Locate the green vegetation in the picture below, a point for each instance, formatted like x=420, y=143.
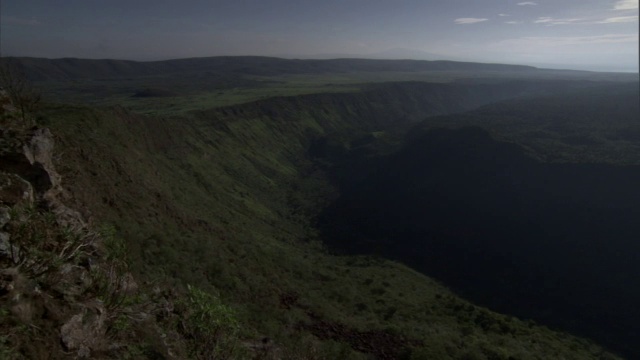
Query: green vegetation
x=213, y=205
x=42, y=273
x=594, y=124
x=225, y=207
x=16, y=91
x=176, y=87
x=187, y=98
x=554, y=220
x=211, y=325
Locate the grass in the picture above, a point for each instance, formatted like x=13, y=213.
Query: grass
x=552, y=134
x=196, y=91
x=181, y=104
x=217, y=190
x=190, y=97
x=221, y=199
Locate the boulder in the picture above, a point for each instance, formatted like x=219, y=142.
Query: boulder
x=85, y=331
x=6, y=250
x=39, y=152
x=5, y=216
x=15, y=190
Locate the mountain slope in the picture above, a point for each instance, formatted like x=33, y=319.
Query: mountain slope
x=39, y=69
x=487, y=216
x=223, y=200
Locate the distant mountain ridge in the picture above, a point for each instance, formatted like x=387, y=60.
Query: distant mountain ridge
x=397, y=53
x=41, y=69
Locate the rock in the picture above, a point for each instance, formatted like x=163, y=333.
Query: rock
x=31, y=158
x=17, y=158
x=5, y=238
x=15, y=190
x=30, y=155
x=39, y=151
x=6, y=250
x=84, y=352
x=65, y=216
x=18, y=287
x=24, y=311
x=85, y=331
x=6, y=279
x=5, y=216
x=74, y=281
x=129, y=285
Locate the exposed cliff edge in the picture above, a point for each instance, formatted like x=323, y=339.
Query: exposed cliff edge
x=228, y=197
x=556, y=241
x=65, y=288
x=51, y=260
x=535, y=199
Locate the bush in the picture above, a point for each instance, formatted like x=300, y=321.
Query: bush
x=211, y=326
x=39, y=246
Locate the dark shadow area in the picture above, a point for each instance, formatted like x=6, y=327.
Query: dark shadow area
x=557, y=243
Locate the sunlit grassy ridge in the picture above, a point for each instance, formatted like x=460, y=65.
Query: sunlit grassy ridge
x=222, y=199
x=180, y=86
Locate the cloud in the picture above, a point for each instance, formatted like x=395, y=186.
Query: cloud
x=562, y=21
x=504, y=15
x=619, y=19
x=527, y=3
x=560, y=41
x=513, y=22
x=626, y=5
x=12, y=20
x=550, y=21
x=465, y=21
x=544, y=19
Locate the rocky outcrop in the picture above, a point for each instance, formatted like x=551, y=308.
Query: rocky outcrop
x=27, y=161
x=47, y=251
x=15, y=190
x=86, y=330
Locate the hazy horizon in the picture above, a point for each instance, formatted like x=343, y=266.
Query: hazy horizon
x=593, y=35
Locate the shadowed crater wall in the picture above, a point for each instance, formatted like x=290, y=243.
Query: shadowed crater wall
x=557, y=243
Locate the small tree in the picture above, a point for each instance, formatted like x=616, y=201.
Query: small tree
x=20, y=91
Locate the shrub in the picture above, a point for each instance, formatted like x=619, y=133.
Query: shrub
x=39, y=246
x=211, y=326
x=19, y=90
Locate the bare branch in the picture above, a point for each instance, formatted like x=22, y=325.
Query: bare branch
x=20, y=91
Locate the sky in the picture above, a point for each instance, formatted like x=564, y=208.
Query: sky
x=600, y=35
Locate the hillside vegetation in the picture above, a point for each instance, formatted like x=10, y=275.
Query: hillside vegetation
x=65, y=69
x=216, y=209
x=176, y=87
x=556, y=238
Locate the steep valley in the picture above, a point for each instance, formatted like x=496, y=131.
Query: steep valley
x=259, y=202
x=555, y=242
